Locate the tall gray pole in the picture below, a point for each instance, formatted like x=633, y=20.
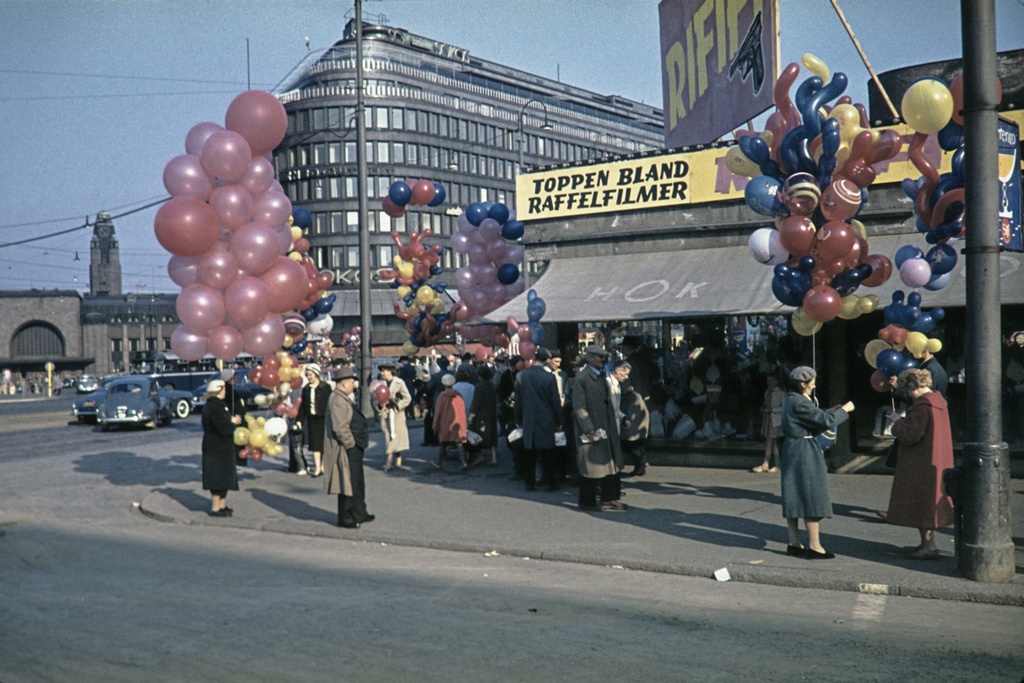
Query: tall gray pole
x=984, y=546
x=522, y=143
x=365, y=311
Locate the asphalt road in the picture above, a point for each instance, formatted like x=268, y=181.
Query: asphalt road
x=93, y=590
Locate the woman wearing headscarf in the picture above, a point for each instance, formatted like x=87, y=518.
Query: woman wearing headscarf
x=925, y=451
x=392, y=416
x=805, y=492
x=313, y=411
x=220, y=473
x=450, y=423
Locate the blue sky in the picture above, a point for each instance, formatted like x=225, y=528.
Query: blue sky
x=97, y=95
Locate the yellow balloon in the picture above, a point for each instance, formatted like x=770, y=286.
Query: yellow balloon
x=413, y=310
x=849, y=310
x=927, y=106
x=425, y=295
x=273, y=449
x=258, y=438
x=934, y=346
x=250, y=420
x=437, y=306
x=815, y=66
x=397, y=261
x=287, y=341
x=858, y=228
x=241, y=436
x=295, y=256
x=916, y=343
x=260, y=421
x=867, y=303
x=296, y=234
x=403, y=291
x=803, y=325
x=768, y=137
x=410, y=349
x=871, y=351
x=406, y=270
x=737, y=162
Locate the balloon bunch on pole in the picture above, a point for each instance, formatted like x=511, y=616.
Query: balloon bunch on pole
x=809, y=170
x=531, y=335
x=227, y=227
x=260, y=436
x=352, y=341
x=411, y=192
x=281, y=373
x=492, y=276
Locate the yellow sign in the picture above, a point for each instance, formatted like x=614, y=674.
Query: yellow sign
x=672, y=179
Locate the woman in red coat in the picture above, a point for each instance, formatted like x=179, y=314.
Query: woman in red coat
x=925, y=451
x=450, y=422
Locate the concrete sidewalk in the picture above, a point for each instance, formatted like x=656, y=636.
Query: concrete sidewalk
x=681, y=520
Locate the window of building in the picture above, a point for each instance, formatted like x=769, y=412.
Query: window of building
x=319, y=188
x=334, y=118
x=399, y=224
x=474, y=164
x=371, y=187
x=336, y=224
x=413, y=157
x=116, y=345
x=334, y=152
x=303, y=187
x=443, y=126
x=383, y=222
x=410, y=120
x=463, y=130
x=397, y=118
x=337, y=257
x=320, y=223
x=399, y=153
x=304, y=155
x=350, y=153
x=472, y=131
x=383, y=183
x=412, y=221
x=351, y=187
x=385, y=256
x=368, y=117
x=352, y=257
x=371, y=218
x=369, y=151
x=352, y=222
x=383, y=153
x=319, y=119
x=382, y=118
x=134, y=344
x=434, y=123
x=334, y=188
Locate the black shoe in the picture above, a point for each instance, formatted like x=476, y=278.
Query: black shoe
x=640, y=471
x=369, y=518
x=627, y=475
x=815, y=555
x=348, y=526
x=224, y=512
x=796, y=551
x=588, y=508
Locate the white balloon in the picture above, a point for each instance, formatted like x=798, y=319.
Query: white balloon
x=321, y=326
x=276, y=427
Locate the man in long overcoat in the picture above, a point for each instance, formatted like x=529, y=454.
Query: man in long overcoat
x=392, y=416
x=539, y=415
x=345, y=439
x=598, y=453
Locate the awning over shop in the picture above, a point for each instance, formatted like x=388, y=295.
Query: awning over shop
x=709, y=282
x=677, y=284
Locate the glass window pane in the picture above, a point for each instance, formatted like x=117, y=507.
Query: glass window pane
x=411, y=120
x=319, y=119
x=397, y=118
x=352, y=257
x=382, y=117
x=336, y=226
x=334, y=117
x=320, y=223
x=350, y=153
x=413, y=157
x=399, y=153
x=352, y=222
x=383, y=222
x=383, y=153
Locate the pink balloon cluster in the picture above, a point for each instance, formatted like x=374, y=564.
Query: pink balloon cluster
x=492, y=276
x=227, y=228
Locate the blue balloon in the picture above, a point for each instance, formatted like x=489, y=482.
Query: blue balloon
x=889, y=362
x=536, y=333
x=400, y=193
x=323, y=306
x=301, y=217
x=309, y=314
x=440, y=194
x=786, y=295
x=508, y=273
x=905, y=253
x=299, y=346
x=830, y=142
x=498, y=212
x=795, y=152
x=756, y=149
x=513, y=230
x=535, y=310
x=763, y=196
x=910, y=187
x=476, y=213
x=942, y=258
x=952, y=136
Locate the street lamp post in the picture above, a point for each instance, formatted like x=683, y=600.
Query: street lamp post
x=522, y=143
x=365, y=310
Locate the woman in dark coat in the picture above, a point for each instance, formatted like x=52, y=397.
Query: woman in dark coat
x=313, y=412
x=804, y=474
x=483, y=415
x=925, y=451
x=220, y=474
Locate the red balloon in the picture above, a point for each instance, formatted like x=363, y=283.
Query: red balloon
x=286, y=285
x=258, y=176
x=392, y=209
x=382, y=394
x=260, y=118
x=272, y=361
x=881, y=270
x=835, y=240
x=270, y=378
x=324, y=279
x=233, y=204
x=217, y=267
x=264, y=337
x=224, y=342
x=186, y=226
x=797, y=234
x=302, y=245
x=822, y=303
x=880, y=382
x=422, y=192
x=272, y=208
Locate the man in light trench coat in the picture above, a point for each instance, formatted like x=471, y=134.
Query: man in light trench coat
x=598, y=451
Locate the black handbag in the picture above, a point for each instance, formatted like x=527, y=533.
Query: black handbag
x=890, y=458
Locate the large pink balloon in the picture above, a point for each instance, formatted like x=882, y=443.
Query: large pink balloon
x=516, y=288
x=226, y=155
x=497, y=251
x=224, y=342
x=460, y=242
x=284, y=239
x=186, y=226
x=490, y=229
x=260, y=118
x=287, y=284
x=915, y=272
x=183, y=270
x=464, y=279
x=233, y=204
x=187, y=344
x=198, y=135
x=184, y=175
x=265, y=337
x=255, y=247
x=258, y=176
x=247, y=300
x=217, y=267
x=272, y=208
x=200, y=308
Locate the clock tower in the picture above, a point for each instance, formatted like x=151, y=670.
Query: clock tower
x=104, y=258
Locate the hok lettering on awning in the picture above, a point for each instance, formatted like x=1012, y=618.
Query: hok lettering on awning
x=648, y=291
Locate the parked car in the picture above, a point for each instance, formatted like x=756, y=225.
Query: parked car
x=84, y=408
x=181, y=402
x=86, y=384
x=247, y=390
x=134, y=400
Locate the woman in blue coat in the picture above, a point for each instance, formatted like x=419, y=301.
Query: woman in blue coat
x=804, y=474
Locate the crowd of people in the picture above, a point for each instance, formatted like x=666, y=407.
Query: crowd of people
x=587, y=427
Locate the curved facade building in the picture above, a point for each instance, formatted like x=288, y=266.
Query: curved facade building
x=431, y=111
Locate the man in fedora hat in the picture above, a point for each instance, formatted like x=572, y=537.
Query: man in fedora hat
x=346, y=440
x=598, y=450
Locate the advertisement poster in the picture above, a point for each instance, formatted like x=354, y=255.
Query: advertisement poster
x=1009, y=187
